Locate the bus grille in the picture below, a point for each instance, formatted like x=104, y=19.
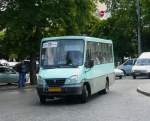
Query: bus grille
x=55, y=82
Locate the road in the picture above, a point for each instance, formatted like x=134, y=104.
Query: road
x=123, y=103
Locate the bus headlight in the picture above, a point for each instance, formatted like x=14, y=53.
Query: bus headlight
x=72, y=80
x=40, y=81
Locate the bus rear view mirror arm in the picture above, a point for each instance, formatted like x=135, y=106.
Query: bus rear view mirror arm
x=89, y=64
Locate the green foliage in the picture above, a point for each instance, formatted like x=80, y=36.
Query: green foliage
x=145, y=10
x=2, y=34
x=120, y=27
x=26, y=22
x=123, y=24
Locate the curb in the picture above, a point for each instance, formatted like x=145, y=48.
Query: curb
x=143, y=92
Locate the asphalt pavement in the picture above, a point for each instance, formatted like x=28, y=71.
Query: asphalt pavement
x=144, y=89
x=13, y=86
x=122, y=103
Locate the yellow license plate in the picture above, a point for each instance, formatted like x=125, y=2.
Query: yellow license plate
x=54, y=89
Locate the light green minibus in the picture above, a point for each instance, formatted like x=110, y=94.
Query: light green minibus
x=75, y=66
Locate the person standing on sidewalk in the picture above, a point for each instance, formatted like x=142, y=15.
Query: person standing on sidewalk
x=22, y=74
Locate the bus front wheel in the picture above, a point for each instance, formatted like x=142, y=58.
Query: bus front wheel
x=106, y=90
x=42, y=99
x=134, y=77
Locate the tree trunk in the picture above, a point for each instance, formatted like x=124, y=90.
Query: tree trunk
x=33, y=78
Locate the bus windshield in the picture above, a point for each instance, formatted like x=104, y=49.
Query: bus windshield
x=62, y=53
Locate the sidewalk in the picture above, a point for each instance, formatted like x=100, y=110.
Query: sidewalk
x=5, y=87
x=144, y=89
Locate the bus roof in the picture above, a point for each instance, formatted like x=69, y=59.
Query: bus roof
x=78, y=37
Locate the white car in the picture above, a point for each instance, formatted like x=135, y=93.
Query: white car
x=118, y=73
x=12, y=64
x=142, y=66
x=3, y=62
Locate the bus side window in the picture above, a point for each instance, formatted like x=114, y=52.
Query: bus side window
x=96, y=58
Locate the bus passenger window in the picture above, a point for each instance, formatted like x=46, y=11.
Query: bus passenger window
x=96, y=58
x=101, y=58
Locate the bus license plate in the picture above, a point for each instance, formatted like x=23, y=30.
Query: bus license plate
x=54, y=89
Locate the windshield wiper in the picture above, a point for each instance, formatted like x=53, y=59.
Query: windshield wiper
x=49, y=67
x=67, y=66
x=60, y=66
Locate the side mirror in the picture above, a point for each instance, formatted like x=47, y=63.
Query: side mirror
x=89, y=64
x=13, y=72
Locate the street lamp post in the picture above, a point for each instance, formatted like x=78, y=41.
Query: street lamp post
x=139, y=26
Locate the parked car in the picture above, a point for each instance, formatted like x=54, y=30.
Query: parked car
x=142, y=66
x=3, y=62
x=8, y=75
x=12, y=64
x=119, y=73
x=126, y=67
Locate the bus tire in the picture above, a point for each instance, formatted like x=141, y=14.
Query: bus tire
x=134, y=77
x=85, y=94
x=120, y=77
x=42, y=99
x=106, y=90
x=149, y=75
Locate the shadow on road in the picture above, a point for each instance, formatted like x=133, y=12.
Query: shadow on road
x=70, y=101
x=8, y=84
x=141, y=78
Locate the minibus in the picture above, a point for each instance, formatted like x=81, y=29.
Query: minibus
x=75, y=66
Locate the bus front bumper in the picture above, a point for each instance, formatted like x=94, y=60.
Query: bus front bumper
x=66, y=90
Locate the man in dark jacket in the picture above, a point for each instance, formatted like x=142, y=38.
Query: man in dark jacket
x=22, y=74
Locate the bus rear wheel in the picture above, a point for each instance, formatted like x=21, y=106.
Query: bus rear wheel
x=85, y=94
x=149, y=75
x=106, y=90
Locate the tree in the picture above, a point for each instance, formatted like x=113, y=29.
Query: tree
x=121, y=27
x=145, y=18
x=123, y=23
x=26, y=22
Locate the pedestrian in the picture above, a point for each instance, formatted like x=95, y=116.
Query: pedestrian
x=22, y=74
